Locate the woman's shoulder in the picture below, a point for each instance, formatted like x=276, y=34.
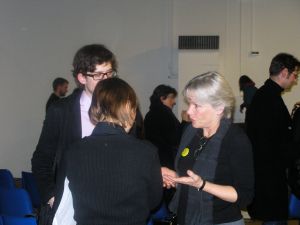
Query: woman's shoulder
x=236, y=135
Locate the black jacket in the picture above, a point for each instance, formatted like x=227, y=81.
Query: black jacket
x=163, y=129
x=270, y=131
x=114, y=177
x=61, y=128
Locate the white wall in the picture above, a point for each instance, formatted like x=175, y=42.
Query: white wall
x=37, y=43
x=39, y=38
x=266, y=26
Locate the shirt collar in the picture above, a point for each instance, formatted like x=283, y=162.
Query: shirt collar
x=85, y=101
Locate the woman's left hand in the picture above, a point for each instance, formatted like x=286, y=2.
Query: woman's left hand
x=192, y=179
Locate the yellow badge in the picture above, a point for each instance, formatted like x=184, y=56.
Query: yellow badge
x=185, y=152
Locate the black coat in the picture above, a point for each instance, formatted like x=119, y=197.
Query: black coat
x=269, y=129
x=114, y=177
x=163, y=129
x=61, y=128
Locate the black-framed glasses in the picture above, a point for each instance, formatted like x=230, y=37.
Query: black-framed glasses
x=101, y=75
x=202, y=143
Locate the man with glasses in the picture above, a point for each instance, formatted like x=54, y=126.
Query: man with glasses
x=66, y=122
x=269, y=127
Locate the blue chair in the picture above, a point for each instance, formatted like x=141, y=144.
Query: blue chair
x=13, y=220
x=1, y=221
x=294, y=207
x=161, y=213
x=15, y=202
x=29, y=184
x=6, y=179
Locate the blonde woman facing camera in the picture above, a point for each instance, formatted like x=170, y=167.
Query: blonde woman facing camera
x=214, y=172
x=114, y=177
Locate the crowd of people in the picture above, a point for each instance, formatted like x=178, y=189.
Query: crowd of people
x=98, y=162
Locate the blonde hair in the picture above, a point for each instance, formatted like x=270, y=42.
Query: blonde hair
x=213, y=89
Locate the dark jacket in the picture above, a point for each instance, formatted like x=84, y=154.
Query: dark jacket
x=61, y=128
x=294, y=170
x=269, y=129
x=233, y=167
x=52, y=98
x=114, y=177
x=163, y=129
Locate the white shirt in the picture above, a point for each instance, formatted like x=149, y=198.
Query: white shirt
x=65, y=211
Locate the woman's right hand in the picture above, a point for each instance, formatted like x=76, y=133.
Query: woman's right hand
x=167, y=175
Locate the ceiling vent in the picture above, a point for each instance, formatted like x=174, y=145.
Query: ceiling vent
x=198, y=42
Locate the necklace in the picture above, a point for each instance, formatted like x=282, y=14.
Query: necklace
x=202, y=143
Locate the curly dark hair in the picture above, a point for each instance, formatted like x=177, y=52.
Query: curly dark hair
x=87, y=57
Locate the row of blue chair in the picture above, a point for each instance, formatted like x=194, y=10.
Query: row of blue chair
x=28, y=183
x=13, y=220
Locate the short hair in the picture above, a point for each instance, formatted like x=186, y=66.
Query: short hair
x=113, y=99
x=162, y=91
x=282, y=61
x=213, y=89
x=58, y=82
x=87, y=57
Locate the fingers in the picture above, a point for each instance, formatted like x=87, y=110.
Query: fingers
x=167, y=175
x=192, y=175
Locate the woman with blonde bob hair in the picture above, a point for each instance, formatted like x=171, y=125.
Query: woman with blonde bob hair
x=214, y=172
x=114, y=177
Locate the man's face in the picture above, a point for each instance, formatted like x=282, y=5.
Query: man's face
x=63, y=89
x=90, y=82
x=290, y=79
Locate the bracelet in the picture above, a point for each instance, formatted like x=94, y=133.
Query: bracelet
x=202, y=186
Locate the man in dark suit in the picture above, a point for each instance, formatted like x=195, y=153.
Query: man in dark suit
x=270, y=131
x=60, y=89
x=66, y=122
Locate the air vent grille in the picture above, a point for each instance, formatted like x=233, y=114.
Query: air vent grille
x=198, y=42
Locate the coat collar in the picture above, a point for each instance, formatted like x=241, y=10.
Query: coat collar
x=274, y=86
x=105, y=128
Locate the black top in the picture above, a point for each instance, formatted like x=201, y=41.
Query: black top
x=269, y=128
x=163, y=129
x=233, y=167
x=53, y=98
x=114, y=177
x=186, y=162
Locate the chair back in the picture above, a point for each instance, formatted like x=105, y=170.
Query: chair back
x=294, y=207
x=15, y=202
x=13, y=220
x=1, y=220
x=6, y=179
x=29, y=184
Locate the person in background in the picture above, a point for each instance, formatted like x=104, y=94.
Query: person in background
x=247, y=86
x=66, y=122
x=294, y=169
x=114, y=177
x=60, y=89
x=163, y=129
x=214, y=170
x=269, y=127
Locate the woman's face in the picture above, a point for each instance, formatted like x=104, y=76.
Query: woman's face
x=202, y=115
x=169, y=101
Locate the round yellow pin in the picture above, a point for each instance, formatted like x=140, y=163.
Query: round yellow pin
x=185, y=152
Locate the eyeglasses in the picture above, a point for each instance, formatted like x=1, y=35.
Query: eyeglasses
x=202, y=143
x=101, y=75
